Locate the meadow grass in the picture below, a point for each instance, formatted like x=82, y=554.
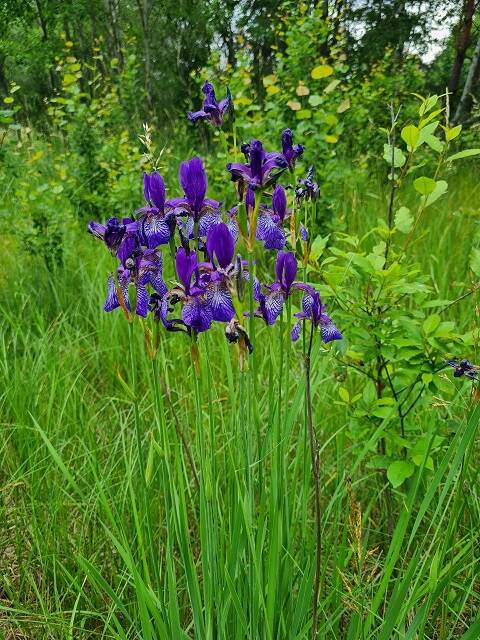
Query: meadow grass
x=139, y=500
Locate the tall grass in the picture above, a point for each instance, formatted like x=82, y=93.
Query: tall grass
x=141, y=500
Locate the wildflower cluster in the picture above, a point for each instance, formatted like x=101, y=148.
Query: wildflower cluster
x=211, y=275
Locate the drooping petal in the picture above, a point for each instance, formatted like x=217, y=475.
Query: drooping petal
x=220, y=301
x=143, y=299
x=185, y=263
x=111, y=301
x=328, y=330
x=220, y=244
x=269, y=232
x=156, y=231
x=194, y=116
x=197, y=314
x=296, y=330
x=273, y=306
x=96, y=229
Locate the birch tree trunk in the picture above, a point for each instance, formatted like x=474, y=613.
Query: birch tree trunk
x=461, y=44
x=465, y=100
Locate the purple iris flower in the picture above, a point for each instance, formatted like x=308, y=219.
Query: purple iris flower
x=304, y=233
x=141, y=269
x=221, y=249
x=307, y=189
x=314, y=310
x=463, y=367
x=271, y=304
x=120, y=236
x=290, y=151
x=156, y=224
x=262, y=170
x=213, y=111
x=269, y=224
x=193, y=180
x=196, y=312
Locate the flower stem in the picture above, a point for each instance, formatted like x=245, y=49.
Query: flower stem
x=315, y=455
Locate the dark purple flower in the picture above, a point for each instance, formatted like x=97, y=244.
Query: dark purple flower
x=142, y=269
x=157, y=219
x=304, y=233
x=196, y=311
x=290, y=151
x=120, y=237
x=220, y=245
x=307, y=189
x=314, y=310
x=193, y=180
x=271, y=303
x=262, y=170
x=269, y=223
x=213, y=111
x=463, y=367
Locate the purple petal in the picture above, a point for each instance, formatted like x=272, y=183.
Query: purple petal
x=157, y=190
x=328, y=330
x=269, y=232
x=273, y=306
x=185, y=265
x=250, y=199
x=207, y=221
x=111, y=301
x=304, y=233
x=194, y=182
x=220, y=244
x=296, y=330
x=197, y=314
x=239, y=171
x=96, y=229
x=279, y=201
x=156, y=231
x=286, y=269
x=220, y=301
x=142, y=301
x=194, y=116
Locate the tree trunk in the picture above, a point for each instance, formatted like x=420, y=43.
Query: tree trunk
x=143, y=10
x=461, y=45
x=43, y=27
x=112, y=11
x=466, y=100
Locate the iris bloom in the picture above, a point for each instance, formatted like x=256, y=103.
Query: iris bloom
x=262, y=169
x=213, y=111
x=290, y=151
x=120, y=236
x=196, y=312
x=463, y=367
x=314, y=310
x=269, y=224
x=271, y=304
x=157, y=219
x=307, y=189
x=193, y=180
x=146, y=267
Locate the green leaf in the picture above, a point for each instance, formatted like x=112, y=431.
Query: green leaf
x=399, y=471
x=314, y=100
x=304, y=114
x=344, y=395
x=475, y=261
x=441, y=187
x=403, y=220
x=411, y=135
x=424, y=185
x=466, y=153
x=454, y=132
x=431, y=323
x=433, y=142
x=399, y=158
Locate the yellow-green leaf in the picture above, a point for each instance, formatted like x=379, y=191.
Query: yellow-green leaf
x=322, y=71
